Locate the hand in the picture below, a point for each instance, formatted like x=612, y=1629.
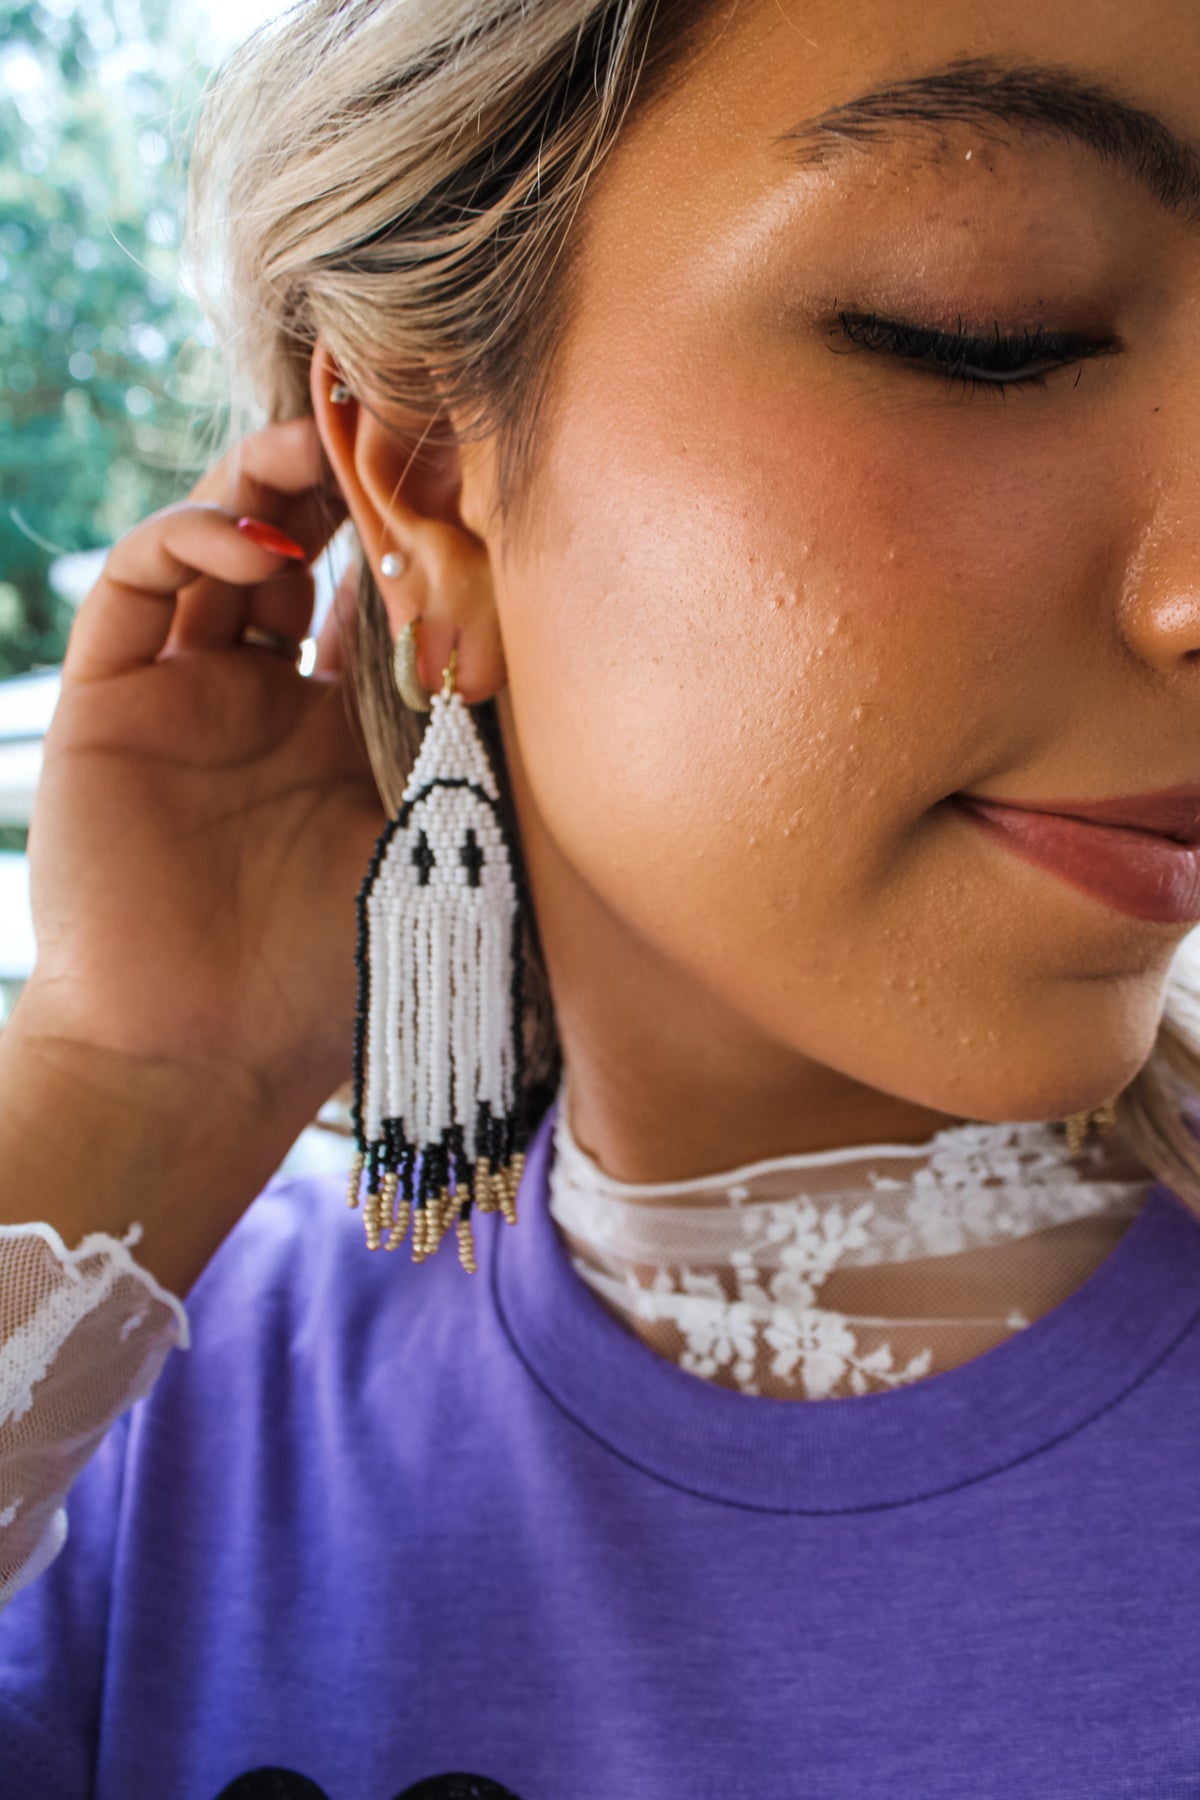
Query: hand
x=205, y=813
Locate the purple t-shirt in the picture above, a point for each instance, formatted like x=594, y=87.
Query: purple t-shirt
x=390, y=1530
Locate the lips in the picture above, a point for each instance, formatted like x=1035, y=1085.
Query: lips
x=1140, y=871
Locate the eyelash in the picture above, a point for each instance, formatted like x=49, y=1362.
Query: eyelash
x=996, y=363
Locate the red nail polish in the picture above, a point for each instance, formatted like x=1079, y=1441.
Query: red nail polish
x=269, y=538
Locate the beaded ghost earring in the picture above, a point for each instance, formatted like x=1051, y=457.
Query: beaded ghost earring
x=438, y=1063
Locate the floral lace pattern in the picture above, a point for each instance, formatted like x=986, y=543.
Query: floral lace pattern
x=83, y=1334
x=725, y=1274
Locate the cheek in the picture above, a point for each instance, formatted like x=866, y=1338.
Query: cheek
x=763, y=639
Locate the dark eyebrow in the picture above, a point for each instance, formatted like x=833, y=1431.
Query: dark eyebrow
x=1046, y=101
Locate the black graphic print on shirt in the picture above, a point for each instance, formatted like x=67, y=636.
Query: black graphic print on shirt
x=285, y=1784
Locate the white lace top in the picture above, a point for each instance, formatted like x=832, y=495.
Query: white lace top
x=83, y=1334
x=844, y=1271
x=804, y=1276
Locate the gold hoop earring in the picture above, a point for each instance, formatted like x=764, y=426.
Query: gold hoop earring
x=404, y=668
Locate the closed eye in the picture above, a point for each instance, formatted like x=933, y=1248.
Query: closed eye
x=978, y=359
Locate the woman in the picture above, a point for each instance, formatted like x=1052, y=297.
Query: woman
x=775, y=425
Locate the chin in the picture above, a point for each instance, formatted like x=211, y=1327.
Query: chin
x=1049, y=1074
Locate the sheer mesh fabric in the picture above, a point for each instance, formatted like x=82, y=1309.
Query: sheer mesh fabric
x=847, y=1271
x=801, y=1277
x=83, y=1334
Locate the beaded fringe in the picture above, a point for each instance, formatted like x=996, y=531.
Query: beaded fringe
x=478, y=1187
x=1079, y=1124
x=438, y=1053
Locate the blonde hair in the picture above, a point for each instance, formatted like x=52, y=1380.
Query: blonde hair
x=404, y=177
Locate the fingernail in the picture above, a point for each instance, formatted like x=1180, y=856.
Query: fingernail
x=269, y=538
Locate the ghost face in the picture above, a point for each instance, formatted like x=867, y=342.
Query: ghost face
x=440, y=922
x=452, y=842
x=790, y=589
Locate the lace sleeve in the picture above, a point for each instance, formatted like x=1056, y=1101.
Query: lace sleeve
x=83, y=1334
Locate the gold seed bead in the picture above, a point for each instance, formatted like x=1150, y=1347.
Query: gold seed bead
x=1077, y=1127
x=482, y=1186
x=371, y=1220
x=419, y=1220
x=387, y=1198
x=466, y=1247
x=396, y=1234
x=508, y=1197
x=1106, y=1116
x=356, y=1169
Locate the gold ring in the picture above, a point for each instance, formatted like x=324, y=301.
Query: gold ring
x=261, y=639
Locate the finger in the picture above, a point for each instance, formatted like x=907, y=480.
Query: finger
x=283, y=458
x=213, y=615
x=126, y=618
x=279, y=474
x=210, y=615
x=284, y=605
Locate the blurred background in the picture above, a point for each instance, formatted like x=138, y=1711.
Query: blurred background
x=109, y=388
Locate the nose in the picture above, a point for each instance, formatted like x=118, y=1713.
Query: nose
x=1160, y=610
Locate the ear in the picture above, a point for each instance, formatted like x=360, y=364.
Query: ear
x=410, y=491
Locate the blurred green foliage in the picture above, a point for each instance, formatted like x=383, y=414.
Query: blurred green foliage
x=103, y=359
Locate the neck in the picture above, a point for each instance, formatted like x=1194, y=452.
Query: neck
x=671, y=1114
x=667, y=1081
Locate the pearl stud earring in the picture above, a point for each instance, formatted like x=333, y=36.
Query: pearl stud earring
x=392, y=564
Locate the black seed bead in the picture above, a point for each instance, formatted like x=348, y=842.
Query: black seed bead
x=481, y=1130
x=374, y=1158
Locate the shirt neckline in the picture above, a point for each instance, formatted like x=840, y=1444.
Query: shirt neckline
x=858, y=1453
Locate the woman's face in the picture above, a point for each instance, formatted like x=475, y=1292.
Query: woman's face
x=787, y=591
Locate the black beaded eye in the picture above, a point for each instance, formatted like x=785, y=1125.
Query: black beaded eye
x=471, y=857
x=423, y=859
